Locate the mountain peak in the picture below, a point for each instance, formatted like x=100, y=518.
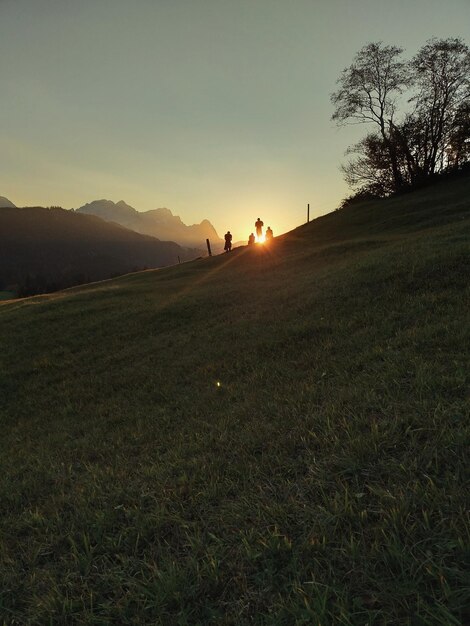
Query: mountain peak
x=159, y=223
x=5, y=203
x=119, y=212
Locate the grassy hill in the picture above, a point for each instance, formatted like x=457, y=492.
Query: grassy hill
x=275, y=436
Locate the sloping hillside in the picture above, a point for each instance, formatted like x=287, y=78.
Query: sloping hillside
x=274, y=436
x=43, y=250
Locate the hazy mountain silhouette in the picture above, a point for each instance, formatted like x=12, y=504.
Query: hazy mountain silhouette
x=4, y=202
x=44, y=250
x=160, y=223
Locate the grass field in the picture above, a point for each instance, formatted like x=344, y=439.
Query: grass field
x=274, y=436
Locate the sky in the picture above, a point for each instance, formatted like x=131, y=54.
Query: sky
x=215, y=109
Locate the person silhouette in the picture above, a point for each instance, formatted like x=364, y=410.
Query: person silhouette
x=269, y=233
x=259, y=227
x=228, y=241
x=251, y=239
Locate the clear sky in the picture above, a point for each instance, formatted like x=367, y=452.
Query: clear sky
x=215, y=109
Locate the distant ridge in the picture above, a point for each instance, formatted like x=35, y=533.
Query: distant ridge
x=4, y=202
x=160, y=223
x=44, y=250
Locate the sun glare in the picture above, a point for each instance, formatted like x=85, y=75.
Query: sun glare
x=261, y=238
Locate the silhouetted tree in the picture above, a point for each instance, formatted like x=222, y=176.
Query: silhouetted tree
x=458, y=150
x=368, y=93
x=440, y=73
x=371, y=168
x=431, y=137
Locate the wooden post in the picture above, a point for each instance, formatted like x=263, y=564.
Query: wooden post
x=179, y=260
x=308, y=213
x=209, y=247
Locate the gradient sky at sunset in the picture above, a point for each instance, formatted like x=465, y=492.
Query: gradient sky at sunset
x=216, y=109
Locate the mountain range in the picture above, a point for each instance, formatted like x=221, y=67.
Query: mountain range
x=160, y=223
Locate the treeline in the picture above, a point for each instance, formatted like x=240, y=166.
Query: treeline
x=45, y=250
x=418, y=111
x=32, y=283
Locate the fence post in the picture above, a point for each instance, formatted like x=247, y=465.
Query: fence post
x=308, y=212
x=209, y=247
